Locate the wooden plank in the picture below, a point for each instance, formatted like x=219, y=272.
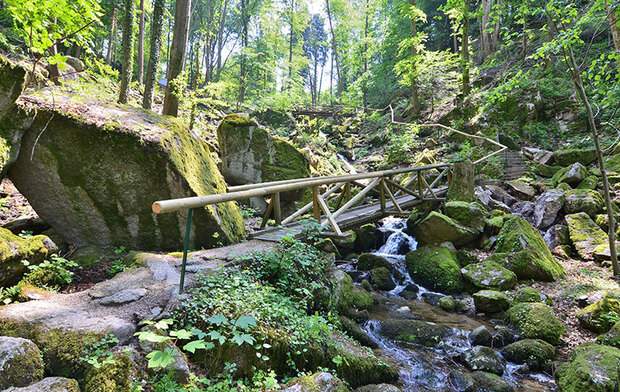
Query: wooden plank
x=382, y=194
x=329, y=216
x=394, y=201
x=309, y=206
x=316, y=209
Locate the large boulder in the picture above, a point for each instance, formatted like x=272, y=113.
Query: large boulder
x=435, y=268
x=368, y=261
x=471, y=215
x=21, y=363
x=96, y=170
x=572, y=175
x=584, y=200
x=484, y=359
x=489, y=275
x=250, y=154
x=546, y=208
x=381, y=279
x=521, y=189
x=491, y=382
x=414, y=331
x=587, y=237
x=437, y=228
x=491, y=301
x=535, y=320
x=600, y=316
x=536, y=353
x=50, y=384
x=13, y=81
x=566, y=157
x=592, y=368
x=14, y=250
x=317, y=382
x=521, y=249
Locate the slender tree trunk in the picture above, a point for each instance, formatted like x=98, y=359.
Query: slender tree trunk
x=614, y=26
x=140, y=74
x=331, y=79
x=110, y=55
x=465, y=49
x=291, y=40
x=177, y=55
x=315, y=80
x=244, y=45
x=365, y=85
x=127, y=70
x=487, y=42
x=318, y=98
x=155, y=42
x=415, y=99
x=340, y=82
x=220, y=37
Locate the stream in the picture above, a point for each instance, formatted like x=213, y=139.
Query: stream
x=431, y=368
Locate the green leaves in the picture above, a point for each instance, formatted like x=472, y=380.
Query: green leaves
x=152, y=337
x=160, y=359
x=239, y=339
x=194, y=345
x=245, y=322
x=217, y=319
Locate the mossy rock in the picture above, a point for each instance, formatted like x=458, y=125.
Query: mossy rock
x=50, y=384
x=586, y=236
x=381, y=279
x=592, y=368
x=366, y=238
x=521, y=249
x=13, y=79
x=612, y=163
x=584, y=200
x=21, y=363
x=317, y=382
x=354, y=330
x=15, y=249
x=437, y=228
x=566, y=157
x=491, y=382
x=491, y=301
x=98, y=168
x=346, y=242
x=590, y=182
x=470, y=215
x=116, y=375
x=536, y=353
x=546, y=171
x=484, y=359
x=435, y=268
x=611, y=337
x=536, y=321
x=495, y=222
x=349, y=297
x=600, y=316
x=368, y=261
x=529, y=294
x=572, y=175
x=489, y=275
x=414, y=331
x=447, y=303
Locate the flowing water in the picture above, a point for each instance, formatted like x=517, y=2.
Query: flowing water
x=421, y=368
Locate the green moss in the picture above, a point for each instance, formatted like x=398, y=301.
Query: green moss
x=600, y=316
x=589, y=182
x=592, y=368
x=317, y=382
x=381, y=279
x=489, y=275
x=545, y=170
x=352, y=298
x=437, y=228
x=414, y=331
x=536, y=321
x=587, y=237
x=435, y=268
x=14, y=250
x=521, y=249
x=116, y=375
x=528, y=294
x=536, y=353
x=491, y=301
x=566, y=157
x=471, y=215
x=368, y=261
x=584, y=200
x=24, y=364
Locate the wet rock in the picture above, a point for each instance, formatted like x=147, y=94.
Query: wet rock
x=481, y=336
x=571, y=175
x=20, y=362
x=503, y=335
x=447, y=303
x=381, y=279
x=536, y=321
x=592, y=367
x=369, y=261
x=460, y=381
x=437, y=228
x=432, y=298
x=521, y=190
x=378, y=388
x=600, y=316
x=367, y=238
x=468, y=214
x=15, y=249
x=587, y=237
x=566, y=157
x=521, y=249
x=317, y=382
x=414, y=331
x=489, y=275
x=123, y=297
x=435, y=268
x=491, y=382
x=491, y=301
x=346, y=243
x=485, y=359
x=584, y=200
x=50, y=384
x=536, y=353
x=546, y=208
x=410, y=291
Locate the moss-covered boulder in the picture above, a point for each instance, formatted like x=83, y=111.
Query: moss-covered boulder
x=566, y=157
x=119, y=373
x=600, y=316
x=368, y=261
x=584, y=200
x=592, y=368
x=521, y=249
x=484, y=359
x=536, y=353
x=611, y=337
x=381, y=279
x=489, y=275
x=96, y=170
x=529, y=294
x=350, y=298
x=14, y=250
x=491, y=382
x=590, y=182
x=536, y=321
x=572, y=175
x=317, y=382
x=543, y=170
x=251, y=154
x=435, y=268
x=50, y=384
x=13, y=78
x=346, y=242
x=437, y=228
x=414, y=331
x=21, y=363
x=612, y=163
x=367, y=238
x=471, y=215
x=586, y=236
x=491, y=301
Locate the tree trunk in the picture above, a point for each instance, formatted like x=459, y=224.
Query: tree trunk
x=177, y=55
x=110, y=55
x=488, y=41
x=151, y=71
x=614, y=25
x=340, y=83
x=127, y=51
x=365, y=85
x=465, y=49
x=244, y=45
x=415, y=99
x=220, y=37
x=140, y=74
x=291, y=40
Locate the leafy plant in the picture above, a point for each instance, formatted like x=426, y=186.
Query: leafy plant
x=52, y=274
x=99, y=353
x=9, y=294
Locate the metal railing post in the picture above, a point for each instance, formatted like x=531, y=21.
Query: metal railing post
x=188, y=230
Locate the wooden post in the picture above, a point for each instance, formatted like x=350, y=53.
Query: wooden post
x=277, y=211
x=420, y=195
x=267, y=214
x=316, y=208
x=382, y=194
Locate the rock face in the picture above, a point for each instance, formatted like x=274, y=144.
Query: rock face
x=251, y=155
x=13, y=81
x=489, y=275
x=437, y=228
x=587, y=236
x=584, y=200
x=536, y=321
x=546, y=208
x=435, y=268
x=15, y=249
x=97, y=169
x=521, y=249
x=592, y=367
x=50, y=384
x=20, y=362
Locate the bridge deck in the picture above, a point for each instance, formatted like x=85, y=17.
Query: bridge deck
x=353, y=217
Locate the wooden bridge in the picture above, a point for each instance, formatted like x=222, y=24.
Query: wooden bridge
x=337, y=202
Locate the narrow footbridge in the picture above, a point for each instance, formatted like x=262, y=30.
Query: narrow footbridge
x=337, y=202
